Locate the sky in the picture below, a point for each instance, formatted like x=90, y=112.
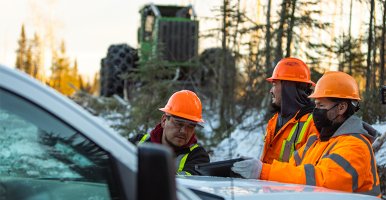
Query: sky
x=89, y=27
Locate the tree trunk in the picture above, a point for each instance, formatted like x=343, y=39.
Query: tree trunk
x=374, y=62
x=268, y=39
x=290, y=28
x=280, y=32
x=224, y=24
x=223, y=100
x=349, y=42
x=370, y=45
x=382, y=49
x=236, y=42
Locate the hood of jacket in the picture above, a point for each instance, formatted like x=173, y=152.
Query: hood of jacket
x=353, y=125
x=293, y=97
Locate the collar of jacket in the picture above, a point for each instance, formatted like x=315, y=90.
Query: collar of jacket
x=156, y=137
x=352, y=125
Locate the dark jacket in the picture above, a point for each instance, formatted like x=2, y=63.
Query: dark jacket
x=194, y=152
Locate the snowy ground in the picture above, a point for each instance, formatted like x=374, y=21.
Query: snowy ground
x=380, y=156
x=245, y=140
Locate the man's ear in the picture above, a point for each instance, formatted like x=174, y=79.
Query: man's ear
x=163, y=120
x=342, y=107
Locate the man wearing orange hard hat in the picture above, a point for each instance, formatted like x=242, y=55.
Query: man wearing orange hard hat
x=182, y=114
x=340, y=156
x=292, y=122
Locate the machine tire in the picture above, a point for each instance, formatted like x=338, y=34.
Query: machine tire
x=121, y=59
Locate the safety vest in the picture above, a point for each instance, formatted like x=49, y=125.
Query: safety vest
x=180, y=159
x=288, y=146
x=281, y=145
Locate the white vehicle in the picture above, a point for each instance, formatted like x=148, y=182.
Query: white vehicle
x=51, y=148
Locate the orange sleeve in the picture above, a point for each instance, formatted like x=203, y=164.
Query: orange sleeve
x=329, y=172
x=265, y=171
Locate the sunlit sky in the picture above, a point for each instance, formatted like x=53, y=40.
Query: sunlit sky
x=88, y=27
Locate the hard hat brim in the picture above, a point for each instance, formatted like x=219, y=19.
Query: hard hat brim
x=271, y=79
x=317, y=96
x=182, y=115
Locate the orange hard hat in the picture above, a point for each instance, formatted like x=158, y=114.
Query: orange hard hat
x=337, y=85
x=291, y=69
x=184, y=104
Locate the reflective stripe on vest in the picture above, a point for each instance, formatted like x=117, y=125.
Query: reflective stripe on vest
x=144, y=138
x=184, y=173
x=181, y=159
x=376, y=190
x=310, y=141
x=298, y=160
x=338, y=159
x=310, y=174
x=329, y=149
x=287, y=148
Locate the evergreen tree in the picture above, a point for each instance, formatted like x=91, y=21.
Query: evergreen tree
x=382, y=48
x=268, y=37
x=37, y=67
x=61, y=76
x=21, y=53
x=74, y=76
x=91, y=87
x=280, y=31
x=28, y=61
x=95, y=84
x=153, y=83
x=56, y=71
x=29, y=56
x=369, y=47
x=348, y=53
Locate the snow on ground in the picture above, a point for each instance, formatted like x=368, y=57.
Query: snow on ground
x=380, y=156
x=381, y=127
x=245, y=140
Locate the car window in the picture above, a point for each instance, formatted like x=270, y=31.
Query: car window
x=41, y=157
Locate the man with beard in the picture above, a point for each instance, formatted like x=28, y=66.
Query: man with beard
x=182, y=114
x=292, y=122
x=339, y=156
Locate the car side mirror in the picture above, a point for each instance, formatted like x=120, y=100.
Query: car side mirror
x=156, y=173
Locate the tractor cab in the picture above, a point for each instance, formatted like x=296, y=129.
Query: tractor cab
x=169, y=32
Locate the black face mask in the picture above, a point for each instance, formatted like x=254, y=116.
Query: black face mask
x=320, y=118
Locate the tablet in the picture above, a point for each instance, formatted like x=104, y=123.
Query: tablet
x=220, y=168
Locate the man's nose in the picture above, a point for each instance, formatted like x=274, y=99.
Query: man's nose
x=183, y=128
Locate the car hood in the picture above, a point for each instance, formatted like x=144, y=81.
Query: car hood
x=237, y=188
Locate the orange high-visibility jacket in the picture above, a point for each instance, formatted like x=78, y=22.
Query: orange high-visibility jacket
x=345, y=162
x=290, y=137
